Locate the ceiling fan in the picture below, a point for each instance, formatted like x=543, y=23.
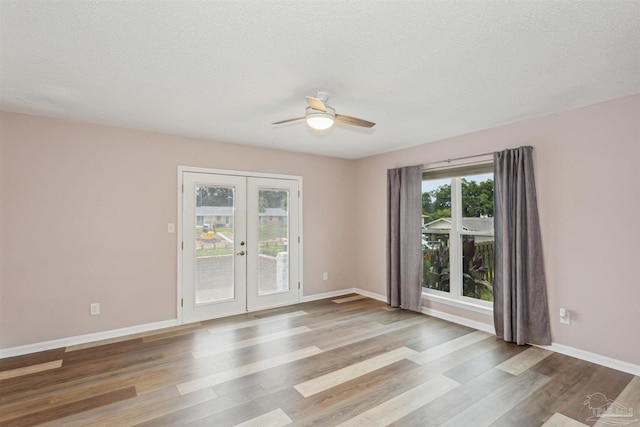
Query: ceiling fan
x=319, y=115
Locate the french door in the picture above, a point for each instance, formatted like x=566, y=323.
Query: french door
x=240, y=244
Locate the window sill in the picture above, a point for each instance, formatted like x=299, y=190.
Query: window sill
x=477, y=308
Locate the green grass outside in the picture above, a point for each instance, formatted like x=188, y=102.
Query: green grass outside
x=213, y=252
x=267, y=250
x=271, y=250
x=264, y=233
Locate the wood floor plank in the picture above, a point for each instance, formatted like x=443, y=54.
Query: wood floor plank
x=373, y=329
x=249, y=323
x=567, y=374
x=89, y=354
x=358, y=305
x=523, y=361
x=162, y=375
x=449, y=347
x=249, y=342
x=158, y=334
x=361, y=394
x=31, y=369
x=206, y=409
x=491, y=407
x=286, y=376
x=211, y=365
x=211, y=380
x=144, y=413
x=386, y=317
x=347, y=299
x=484, y=362
x=275, y=418
x=44, y=415
x=346, y=331
x=403, y=404
x=452, y=403
x=282, y=310
x=24, y=392
x=188, y=329
x=443, y=333
x=85, y=367
x=629, y=398
x=15, y=362
x=348, y=395
x=66, y=397
x=559, y=420
x=337, y=377
x=249, y=410
x=609, y=382
x=80, y=419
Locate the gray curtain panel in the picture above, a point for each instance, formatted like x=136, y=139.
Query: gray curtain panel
x=404, y=250
x=520, y=311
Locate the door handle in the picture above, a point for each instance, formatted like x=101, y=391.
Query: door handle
x=241, y=253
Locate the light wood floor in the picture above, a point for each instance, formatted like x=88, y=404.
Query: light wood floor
x=349, y=361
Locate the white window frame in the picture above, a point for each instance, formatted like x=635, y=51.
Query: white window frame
x=455, y=297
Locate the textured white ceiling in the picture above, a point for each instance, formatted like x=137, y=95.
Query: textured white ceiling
x=225, y=70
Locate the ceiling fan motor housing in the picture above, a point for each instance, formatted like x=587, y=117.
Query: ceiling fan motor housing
x=329, y=113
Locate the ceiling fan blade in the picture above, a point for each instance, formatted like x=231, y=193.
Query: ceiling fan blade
x=316, y=103
x=288, y=120
x=354, y=121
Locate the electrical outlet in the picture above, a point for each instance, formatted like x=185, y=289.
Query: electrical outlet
x=565, y=316
x=95, y=309
x=171, y=227
x=325, y=276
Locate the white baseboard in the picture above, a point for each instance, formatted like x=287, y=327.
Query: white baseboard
x=342, y=292
x=84, y=339
x=593, y=358
x=326, y=295
x=371, y=295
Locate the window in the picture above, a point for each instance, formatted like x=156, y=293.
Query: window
x=457, y=234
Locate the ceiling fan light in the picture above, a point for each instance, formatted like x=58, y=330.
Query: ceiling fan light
x=319, y=121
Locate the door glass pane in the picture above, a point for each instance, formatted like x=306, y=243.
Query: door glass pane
x=273, y=235
x=214, y=243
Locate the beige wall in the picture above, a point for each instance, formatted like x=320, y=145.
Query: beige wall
x=99, y=189
x=84, y=214
x=587, y=164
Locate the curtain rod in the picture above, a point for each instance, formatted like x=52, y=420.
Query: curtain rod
x=468, y=157
x=458, y=158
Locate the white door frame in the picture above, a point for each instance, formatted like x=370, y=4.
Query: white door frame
x=180, y=237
